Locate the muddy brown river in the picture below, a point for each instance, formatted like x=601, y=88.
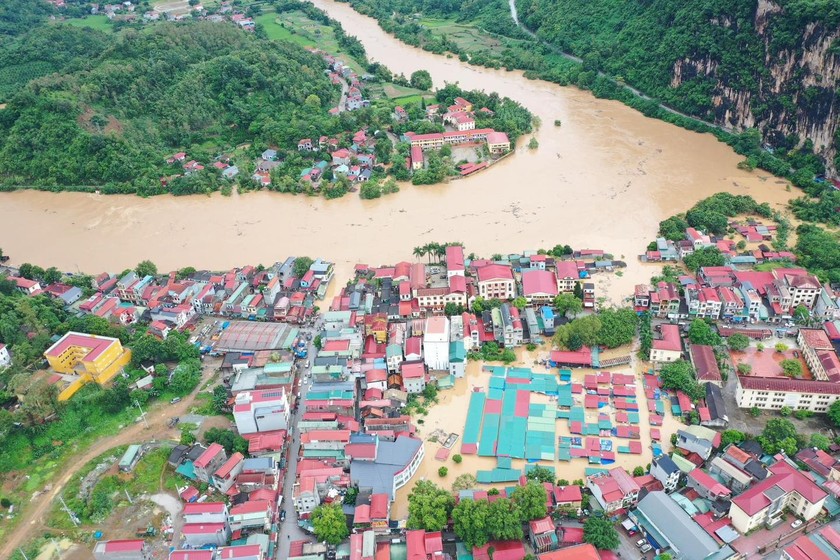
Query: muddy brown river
x=604, y=179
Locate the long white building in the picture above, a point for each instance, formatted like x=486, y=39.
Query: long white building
x=436, y=343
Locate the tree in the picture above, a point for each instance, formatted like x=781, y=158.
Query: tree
x=744, y=369
x=791, y=368
x=421, y=79
x=317, y=342
x=230, y=440
x=779, y=435
x=520, y=303
x=738, y=342
x=731, y=436
x=329, y=523
x=52, y=275
x=442, y=472
x=540, y=474
x=639, y=471
x=820, y=442
x=530, y=500
x=464, y=482
x=618, y=327
x=220, y=399
x=568, y=303
x=600, y=533
x=146, y=268
x=680, y=376
x=503, y=523
x=533, y=143
x=457, y=459
x=470, y=522
x=802, y=315
x=834, y=413
x=312, y=100
x=707, y=256
x=302, y=265
x=701, y=333
x=429, y=506
x=781, y=347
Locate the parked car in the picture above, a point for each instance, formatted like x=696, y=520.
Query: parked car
x=283, y=515
x=796, y=524
x=641, y=542
x=646, y=548
x=175, y=400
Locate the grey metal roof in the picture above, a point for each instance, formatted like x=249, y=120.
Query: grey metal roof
x=666, y=464
x=685, y=537
x=391, y=458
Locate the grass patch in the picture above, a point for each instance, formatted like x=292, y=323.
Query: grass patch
x=297, y=28
x=98, y=22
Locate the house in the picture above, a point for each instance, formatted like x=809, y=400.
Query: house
x=305, y=145
x=706, y=486
x=133, y=549
x=822, y=544
x=543, y=534
x=457, y=358
x=733, y=477
x=400, y=115
x=667, y=526
x=224, y=477
x=495, y=281
x=341, y=157
x=667, y=348
x=614, y=490
x=567, y=498
x=413, y=376
x=583, y=551
x=539, y=286
x=705, y=364
x=765, y=502
x=421, y=545
x=209, y=462
x=254, y=515
x=715, y=407
x=270, y=155
x=663, y=469
x=698, y=439
x=199, y=535
x=204, y=513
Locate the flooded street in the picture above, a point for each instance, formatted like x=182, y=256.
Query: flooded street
x=604, y=179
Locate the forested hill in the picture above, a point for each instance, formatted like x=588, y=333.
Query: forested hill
x=769, y=64
x=118, y=104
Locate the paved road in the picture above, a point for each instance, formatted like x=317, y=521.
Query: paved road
x=289, y=529
x=158, y=415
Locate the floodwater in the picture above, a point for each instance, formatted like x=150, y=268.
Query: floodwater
x=604, y=179
x=450, y=415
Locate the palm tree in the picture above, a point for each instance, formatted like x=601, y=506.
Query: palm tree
x=419, y=252
x=441, y=251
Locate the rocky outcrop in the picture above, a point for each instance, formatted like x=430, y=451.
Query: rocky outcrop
x=798, y=92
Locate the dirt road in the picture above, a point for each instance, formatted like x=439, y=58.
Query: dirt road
x=34, y=513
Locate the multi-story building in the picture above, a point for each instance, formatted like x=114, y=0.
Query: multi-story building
x=773, y=393
x=495, y=281
x=703, y=303
x=414, y=376
x=209, y=462
x=668, y=348
x=511, y=334
x=614, y=490
x=225, y=476
x=663, y=469
x=133, y=549
x=567, y=275
x=664, y=301
x=764, y=504
x=819, y=354
x=436, y=343
x=98, y=357
x=261, y=411
x=539, y=286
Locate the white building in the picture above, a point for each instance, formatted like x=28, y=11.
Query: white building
x=495, y=281
x=261, y=411
x=436, y=343
x=773, y=393
x=668, y=348
x=5, y=357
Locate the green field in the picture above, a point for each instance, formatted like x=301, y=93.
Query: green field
x=466, y=36
x=297, y=28
x=101, y=23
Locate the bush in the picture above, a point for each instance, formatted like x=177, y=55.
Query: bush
x=802, y=414
x=457, y=459
x=744, y=369
x=443, y=471
x=755, y=412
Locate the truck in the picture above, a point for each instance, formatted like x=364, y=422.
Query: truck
x=146, y=531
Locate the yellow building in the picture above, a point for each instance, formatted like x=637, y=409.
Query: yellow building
x=91, y=357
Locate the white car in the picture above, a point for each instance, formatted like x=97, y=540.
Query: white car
x=646, y=548
x=796, y=524
x=641, y=542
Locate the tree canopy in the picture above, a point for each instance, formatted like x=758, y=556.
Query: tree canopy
x=530, y=500
x=680, y=376
x=779, y=435
x=429, y=506
x=329, y=523
x=600, y=532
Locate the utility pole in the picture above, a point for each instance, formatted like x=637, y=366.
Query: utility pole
x=69, y=512
x=142, y=414
x=127, y=496
x=22, y=553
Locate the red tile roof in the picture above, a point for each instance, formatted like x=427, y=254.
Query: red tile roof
x=784, y=384
x=205, y=458
x=705, y=363
x=785, y=477
x=670, y=340
x=96, y=345
x=539, y=282
x=124, y=545
x=495, y=272
x=580, y=552
x=207, y=507
x=540, y=526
